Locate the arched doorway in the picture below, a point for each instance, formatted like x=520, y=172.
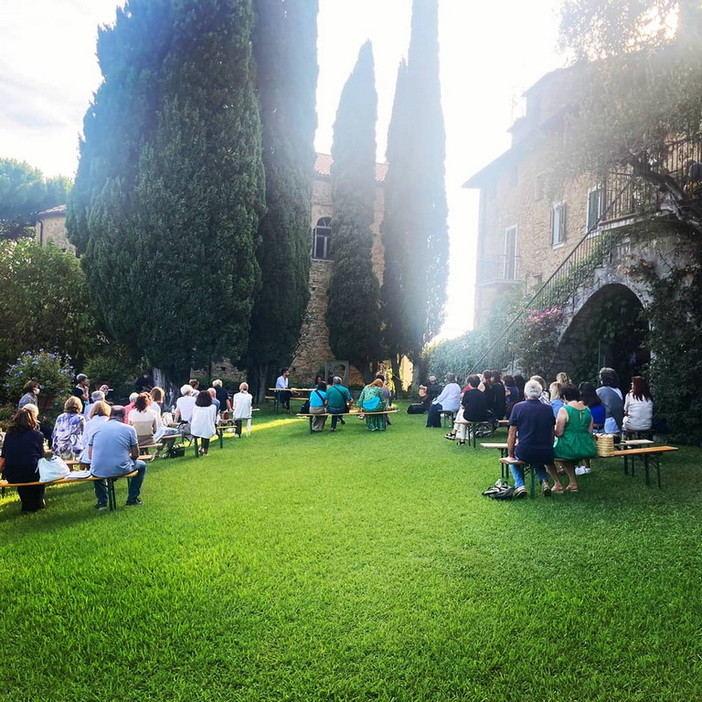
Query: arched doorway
x=608, y=330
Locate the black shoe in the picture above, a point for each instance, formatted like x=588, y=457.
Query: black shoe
x=100, y=506
x=343, y=421
x=135, y=502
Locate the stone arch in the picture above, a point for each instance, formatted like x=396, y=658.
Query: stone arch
x=607, y=329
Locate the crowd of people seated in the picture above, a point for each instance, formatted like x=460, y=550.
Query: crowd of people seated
x=85, y=433
x=550, y=429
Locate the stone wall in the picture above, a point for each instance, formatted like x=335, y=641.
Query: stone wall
x=52, y=227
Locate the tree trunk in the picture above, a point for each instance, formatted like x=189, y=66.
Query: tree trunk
x=169, y=387
x=259, y=381
x=396, y=379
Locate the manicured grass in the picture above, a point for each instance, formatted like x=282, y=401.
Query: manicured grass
x=355, y=566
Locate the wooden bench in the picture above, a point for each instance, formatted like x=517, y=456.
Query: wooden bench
x=356, y=413
x=507, y=462
x=645, y=455
x=474, y=427
x=111, y=498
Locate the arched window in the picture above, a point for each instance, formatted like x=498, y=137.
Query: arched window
x=321, y=238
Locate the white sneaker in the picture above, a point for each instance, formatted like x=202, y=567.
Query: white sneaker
x=582, y=470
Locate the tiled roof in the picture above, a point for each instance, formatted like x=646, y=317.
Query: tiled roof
x=322, y=167
x=60, y=210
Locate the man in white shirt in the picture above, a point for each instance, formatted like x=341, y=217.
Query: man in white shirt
x=281, y=389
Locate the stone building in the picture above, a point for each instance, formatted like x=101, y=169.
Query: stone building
x=313, y=353
x=566, y=240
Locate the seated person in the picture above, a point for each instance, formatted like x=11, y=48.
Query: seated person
x=338, y=401
x=531, y=424
x=185, y=404
x=429, y=392
x=144, y=421
x=67, y=437
x=474, y=408
x=448, y=401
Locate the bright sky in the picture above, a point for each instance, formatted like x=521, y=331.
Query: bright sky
x=490, y=53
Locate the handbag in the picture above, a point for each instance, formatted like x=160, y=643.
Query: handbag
x=372, y=405
x=51, y=469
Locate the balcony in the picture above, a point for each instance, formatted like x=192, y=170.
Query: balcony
x=498, y=270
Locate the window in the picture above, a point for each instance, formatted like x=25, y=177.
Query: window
x=321, y=239
x=558, y=222
x=510, y=253
x=595, y=207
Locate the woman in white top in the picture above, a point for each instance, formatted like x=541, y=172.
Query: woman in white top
x=638, y=406
x=241, y=409
x=143, y=420
x=100, y=412
x=204, y=422
x=448, y=401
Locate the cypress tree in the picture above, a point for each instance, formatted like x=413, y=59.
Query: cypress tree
x=395, y=228
x=353, y=314
x=416, y=155
x=285, y=49
x=170, y=183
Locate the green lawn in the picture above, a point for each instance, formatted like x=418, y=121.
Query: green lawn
x=355, y=566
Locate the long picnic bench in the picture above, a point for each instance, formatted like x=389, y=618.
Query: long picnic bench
x=355, y=413
x=111, y=498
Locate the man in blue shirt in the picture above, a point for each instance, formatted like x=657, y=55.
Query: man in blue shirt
x=531, y=422
x=114, y=451
x=338, y=401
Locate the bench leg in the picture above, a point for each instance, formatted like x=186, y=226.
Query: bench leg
x=220, y=434
x=111, y=497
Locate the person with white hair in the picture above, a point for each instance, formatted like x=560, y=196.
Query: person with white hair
x=97, y=396
x=128, y=408
x=225, y=404
x=530, y=438
x=185, y=404
x=241, y=410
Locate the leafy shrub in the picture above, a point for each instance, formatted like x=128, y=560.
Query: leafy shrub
x=50, y=370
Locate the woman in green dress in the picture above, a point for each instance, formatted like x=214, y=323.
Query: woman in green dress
x=575, y=441
x=371, y=400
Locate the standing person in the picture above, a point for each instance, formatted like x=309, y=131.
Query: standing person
x=82, y=388
x=225, y=404
x=318, y=405
x=31, y=394
x=512, y=394
x=241, y=409
x=204, y=422
x=638, y=406
x=99, y=414
x=339, y=401
x=113, y=452
x=575, y=442
x=19, y=459
x=449, y=401
x=143, y=420
x=67, y=437
x=143, y=383
x=531, y=424
x=371, y=400
x=281, y=389
x=612, y=399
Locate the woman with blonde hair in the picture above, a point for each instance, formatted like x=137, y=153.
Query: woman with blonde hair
x=67, y=437
x=241, y=410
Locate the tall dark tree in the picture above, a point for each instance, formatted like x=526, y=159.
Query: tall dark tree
x=170, y=184
x=285, y=49
x=417, y=208
x=24, y=192
x=353, y=312
x=396, y=225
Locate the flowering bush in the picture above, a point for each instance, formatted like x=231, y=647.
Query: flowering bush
x=50, y=370
x=537, y=341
